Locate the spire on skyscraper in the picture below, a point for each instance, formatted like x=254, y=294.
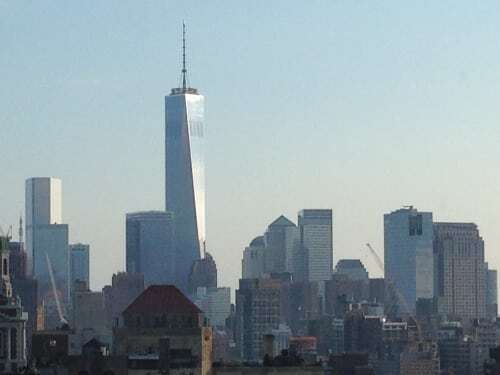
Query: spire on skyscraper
x=184, y=70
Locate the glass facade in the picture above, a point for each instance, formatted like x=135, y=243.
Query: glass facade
x=150, y=247
x=316, y=239
x=79, y=263
x=408, y=255
x=185, y=175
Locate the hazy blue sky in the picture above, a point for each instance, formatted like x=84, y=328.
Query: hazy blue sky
x=359, y=106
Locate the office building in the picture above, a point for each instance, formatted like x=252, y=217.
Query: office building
x=491, y=293
x=43, y=207
x=353, y=269
x=461, y=271
x=253, y=264
x=124, y=288
x=377, y=290
x=52, y=256
x=215, y=304
x=12, y=319
x=151, y=248
x=316, y=240
x=47, y=244
x=257, y=314
x=408, y=255
x=185, y=172
x=79, y=263
x=203, y=274
x=88, y=314
x=282, y=244
x=420, y=358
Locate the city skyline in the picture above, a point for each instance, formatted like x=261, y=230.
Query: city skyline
x=352, y=170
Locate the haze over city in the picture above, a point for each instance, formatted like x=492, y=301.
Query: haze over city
x=361, y=107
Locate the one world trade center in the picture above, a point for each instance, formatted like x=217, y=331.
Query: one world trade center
x=185, y=173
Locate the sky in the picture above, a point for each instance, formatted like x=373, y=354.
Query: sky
x=360, y=106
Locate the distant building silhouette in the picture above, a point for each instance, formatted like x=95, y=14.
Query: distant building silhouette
x=203, y=273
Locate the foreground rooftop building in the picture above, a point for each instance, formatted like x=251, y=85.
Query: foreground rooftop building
x=162, y=329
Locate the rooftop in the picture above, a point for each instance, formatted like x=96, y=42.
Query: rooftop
x=162, y=299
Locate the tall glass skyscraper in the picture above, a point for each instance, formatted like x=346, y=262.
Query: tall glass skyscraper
x=185, y=172
x=408, y=256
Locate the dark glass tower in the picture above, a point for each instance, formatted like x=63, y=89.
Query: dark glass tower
x=185, y=173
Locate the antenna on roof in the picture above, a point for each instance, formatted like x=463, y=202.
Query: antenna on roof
x=184, y=70
x=21, y=233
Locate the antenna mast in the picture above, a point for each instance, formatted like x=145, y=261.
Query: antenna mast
x=21, y=234
x=184, y=70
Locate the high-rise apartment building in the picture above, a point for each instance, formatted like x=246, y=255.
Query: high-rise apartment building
x=150, y=247
x=79, y=263
x=461, y=271
x=316, y=240
x=408, y=255
x=185, y=173
x=43, y=207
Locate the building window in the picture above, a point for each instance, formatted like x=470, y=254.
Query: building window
x=13, y=343
x=415, y=225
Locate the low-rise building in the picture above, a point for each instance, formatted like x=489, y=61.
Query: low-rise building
x=162, y=329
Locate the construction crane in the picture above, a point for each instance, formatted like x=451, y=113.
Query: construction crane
x=392, y=287
x=62, y=319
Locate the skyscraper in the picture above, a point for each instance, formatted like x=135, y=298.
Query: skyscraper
x=316, y=240
x=203, y=274
x=408, y=255
x=282, y=243
x=79, y=263
x=43, y=207
x=150, y=247
x=461, y=271
x=47, y=244
x=253, y=264
x=185, y=171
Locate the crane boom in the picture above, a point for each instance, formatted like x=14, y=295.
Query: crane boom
x=54, y=290
x=391, y=284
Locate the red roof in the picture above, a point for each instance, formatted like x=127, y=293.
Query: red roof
x=159, y=299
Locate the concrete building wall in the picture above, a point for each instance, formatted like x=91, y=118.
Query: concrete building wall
x=461, y=270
